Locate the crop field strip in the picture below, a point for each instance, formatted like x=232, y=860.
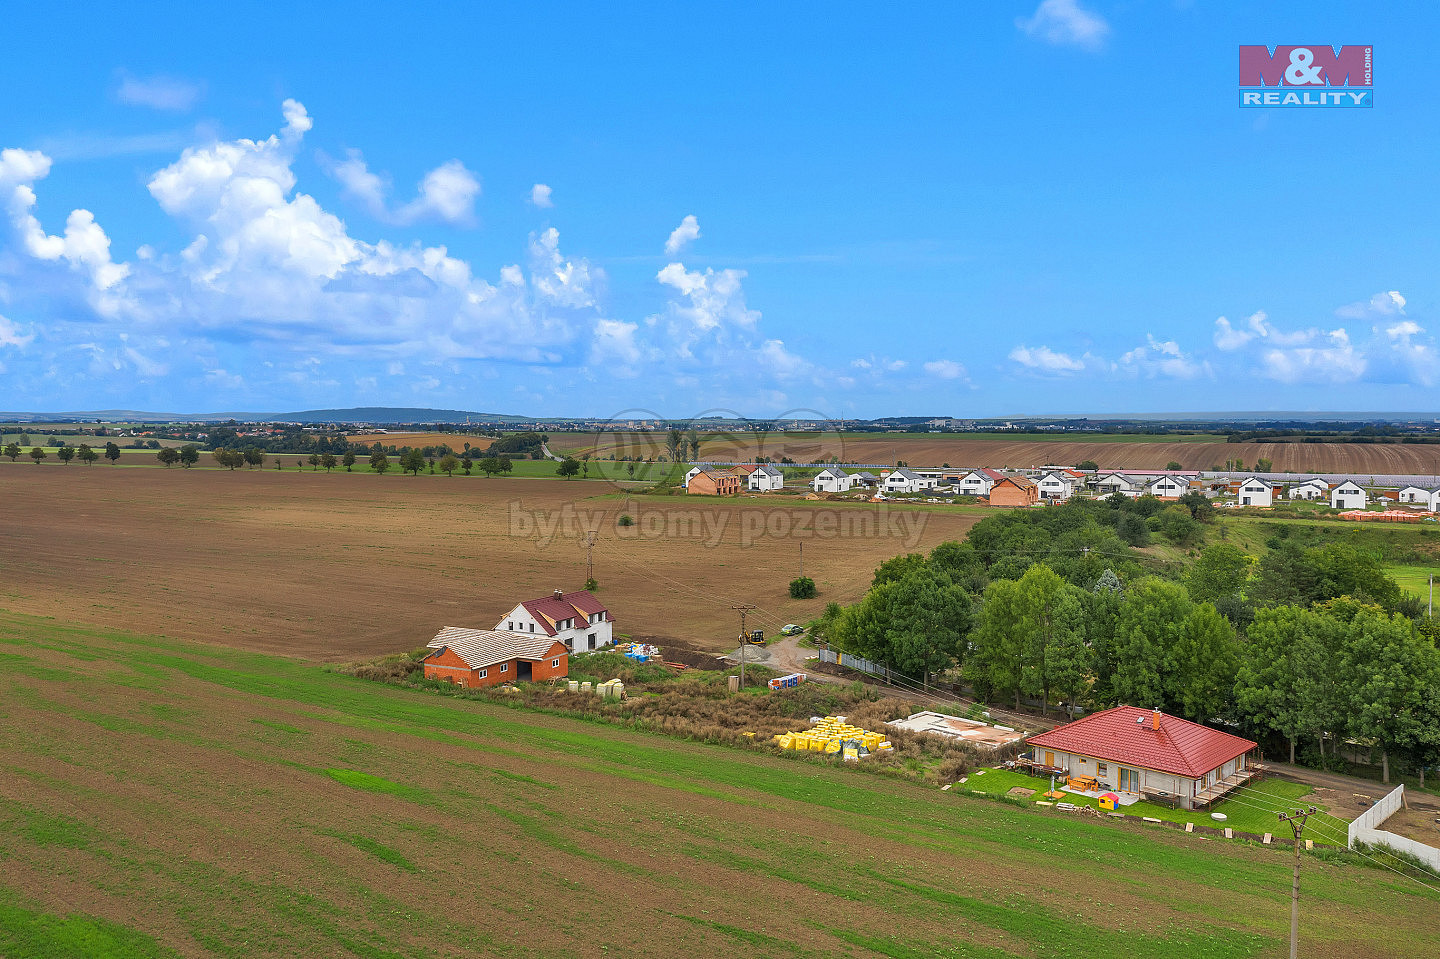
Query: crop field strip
x=230, y=803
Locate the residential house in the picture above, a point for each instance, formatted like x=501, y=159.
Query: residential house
x=832, y=479
x=1056, y=486
x=902, y=479
x=476, y=658
x=765, y=478
x=711, y=482
x=694, y=472
x=1168, y=487
x=1349, y=495
x=1148, y=753
x=978, y=482
x=578, y=620
x=1414, y=495
x=1311, y=489
x=864, y=478
x=1111, y=483
x=1254, y=491
x=1014, y=491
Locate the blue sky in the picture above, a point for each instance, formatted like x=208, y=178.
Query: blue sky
x=949, y=209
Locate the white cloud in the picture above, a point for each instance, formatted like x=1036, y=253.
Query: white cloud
x=1335, y=361
x=1158, y=358
x=171, y=94
x=557, y=280
x=11, y=336
x=1258, y=327
x=1042, y=359
x=945, y=369
x=707, y=300
x=84, y=246
x=447, y=193
x=1387, y=303
x=682, y=236
x=1065, y=23
x=540, y=196
x=1404, y=330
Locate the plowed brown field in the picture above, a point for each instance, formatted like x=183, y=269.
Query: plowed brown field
x=336, y=566
x=923, y=450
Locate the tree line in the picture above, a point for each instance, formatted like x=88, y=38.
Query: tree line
x=1312, y=644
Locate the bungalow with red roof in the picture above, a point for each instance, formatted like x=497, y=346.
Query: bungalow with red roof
x=578, y=620
x=1148, y=753
x=476, y=658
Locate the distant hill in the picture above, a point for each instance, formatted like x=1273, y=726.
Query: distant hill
x=397, y=414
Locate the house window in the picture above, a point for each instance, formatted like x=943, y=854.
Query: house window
x=554, y=664
x=483, y=673
x=1129, y=780
x=1101, y=769
x=532, y=627
x=505, y=668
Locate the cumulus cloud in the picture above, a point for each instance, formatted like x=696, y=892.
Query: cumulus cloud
x=1065, y=23
x=558, y=280
x=540, y=196
x=447, y=193
x=1333, y=359
x=682, y=236
x=1386, y=303
x=1258, y=327
x=1042, y=359
x=170, y=94
x=945, y=369
x=85, y=247
x=1157, y=358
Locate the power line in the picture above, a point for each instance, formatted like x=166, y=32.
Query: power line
x=1297, y=826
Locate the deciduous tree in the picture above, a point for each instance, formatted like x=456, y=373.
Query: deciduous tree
x=66, y=454
x=112, y=453
x=37, y=453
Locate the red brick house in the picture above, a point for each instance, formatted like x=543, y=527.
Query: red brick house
x=1014, y=491
x=476, y=658
x=715, y=483
x=1150, y=753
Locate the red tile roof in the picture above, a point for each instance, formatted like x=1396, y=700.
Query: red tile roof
x=554, y=609
x=1125, y=734
x=993, y=474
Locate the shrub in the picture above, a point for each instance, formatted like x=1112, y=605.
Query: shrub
x=802, y=587
x=625, y=520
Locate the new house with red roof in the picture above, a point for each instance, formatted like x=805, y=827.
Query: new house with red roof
x=578, y=620
x=1149, y=753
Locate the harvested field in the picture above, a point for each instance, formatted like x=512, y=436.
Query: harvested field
x=200, y=801
x=456, y=441
x=349, y=565
x=1118, y=452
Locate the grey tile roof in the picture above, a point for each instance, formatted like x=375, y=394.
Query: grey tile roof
x=486, y=647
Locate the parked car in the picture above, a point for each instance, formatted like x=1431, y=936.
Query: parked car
x=790, y=629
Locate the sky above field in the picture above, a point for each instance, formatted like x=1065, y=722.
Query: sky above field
x=941, y=208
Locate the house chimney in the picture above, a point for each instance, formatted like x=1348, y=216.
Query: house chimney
x=559, y=593
x=1155, y=719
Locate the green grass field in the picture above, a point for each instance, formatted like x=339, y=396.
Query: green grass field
x=1415, y=579
x=161, y=797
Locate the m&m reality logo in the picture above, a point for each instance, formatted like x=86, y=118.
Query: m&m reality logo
x=1317, y=75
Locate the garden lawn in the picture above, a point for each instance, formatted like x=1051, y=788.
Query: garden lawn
x=1250, y=809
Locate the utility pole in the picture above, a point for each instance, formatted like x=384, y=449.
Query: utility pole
x=743, y=608
x=1297, y=826
x=1432, y=594
x=802, y=564
x=589, y=561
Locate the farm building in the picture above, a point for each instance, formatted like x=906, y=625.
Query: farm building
x=710, y=482
x=831, y=479
x=1014, y=491
x=765, y=478
x=476, y=658
x=1349, y=495
x=1149, y=753
x=1254, y=491
x=577, y=620
x=1312, y=489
